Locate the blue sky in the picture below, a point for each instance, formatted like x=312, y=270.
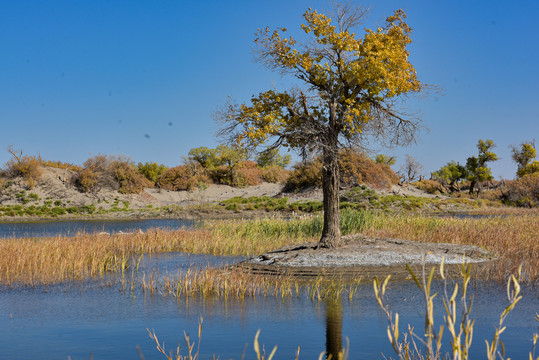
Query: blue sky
x=143, y=78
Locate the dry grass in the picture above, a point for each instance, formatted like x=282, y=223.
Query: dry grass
x=513, y=239
x=50, y=260
x=58, y=259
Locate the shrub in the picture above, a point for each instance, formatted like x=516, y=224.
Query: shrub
x=61, y=165
x=86, y=180
x=430, y=186
x=357, y=168
x=274, y=174
x=104, y=167
x=246, y=174
x=112, y=172
x=24, y=166
x=523, y=192
x=181, y=177
x=305, y=174
x=130, y=179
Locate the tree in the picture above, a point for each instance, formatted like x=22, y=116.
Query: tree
x=220, y=163
x=524, y=157
x=271, y=157
x=411, y=170
x=476, y=167
x=151, y=170
x=384, y=159
x=450, y=175
x=349, y=88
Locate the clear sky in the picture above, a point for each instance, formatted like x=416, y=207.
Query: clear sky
x=142, y=78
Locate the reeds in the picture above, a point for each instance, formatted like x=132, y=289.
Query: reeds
x=460, y=329
x=513, y=239
x=234, y=283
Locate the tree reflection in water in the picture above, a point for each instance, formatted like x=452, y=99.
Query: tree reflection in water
x=333, y=328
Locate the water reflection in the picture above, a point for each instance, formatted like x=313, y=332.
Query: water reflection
x=78, y=319
x=333, y=328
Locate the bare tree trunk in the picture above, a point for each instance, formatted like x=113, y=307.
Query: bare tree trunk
x=331, y=234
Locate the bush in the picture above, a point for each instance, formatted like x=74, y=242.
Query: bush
x=27, y=167
x=305, y=174
x=430, y=186
x=181, y=177
x=104, y=167
x=523, y=192
x=86, y=180
x=130, y=179
x=112, y=172
x=61, y=165
x=274, y=174
x=357, y=168
x=246, y=174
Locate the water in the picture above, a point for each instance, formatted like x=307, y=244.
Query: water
x=71, y=228
x=92, y=318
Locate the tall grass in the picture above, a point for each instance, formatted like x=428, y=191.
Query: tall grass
x=513, y=239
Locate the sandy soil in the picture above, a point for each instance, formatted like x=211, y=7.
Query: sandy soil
x=55, y=186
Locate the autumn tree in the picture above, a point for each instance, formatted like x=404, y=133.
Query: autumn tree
x=349, y=87
x=524, y=157
x=476, y=166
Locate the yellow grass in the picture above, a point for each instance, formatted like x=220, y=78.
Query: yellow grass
x=514, y=239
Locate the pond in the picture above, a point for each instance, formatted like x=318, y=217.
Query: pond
x=99, y=318
x=71, y=228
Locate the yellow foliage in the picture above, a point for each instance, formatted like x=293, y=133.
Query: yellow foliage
x=353, y=78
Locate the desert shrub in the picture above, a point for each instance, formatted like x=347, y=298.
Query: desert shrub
x=86, y=180
x=523, y=192
x=305, y=174
x=61, y=165
x=104, y=167
x=181, y=177
x=130, y=179
x=274, y=174
x=247, y=173
x=27, y=167
x=430, y=186
x=112, y=172
x=357, y=168
x=151, y=171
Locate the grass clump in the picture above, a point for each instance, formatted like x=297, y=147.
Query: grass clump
x=458, y=323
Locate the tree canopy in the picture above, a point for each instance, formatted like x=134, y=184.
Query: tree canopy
x=525, y=158
x=476, y=166
x=350, y=87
